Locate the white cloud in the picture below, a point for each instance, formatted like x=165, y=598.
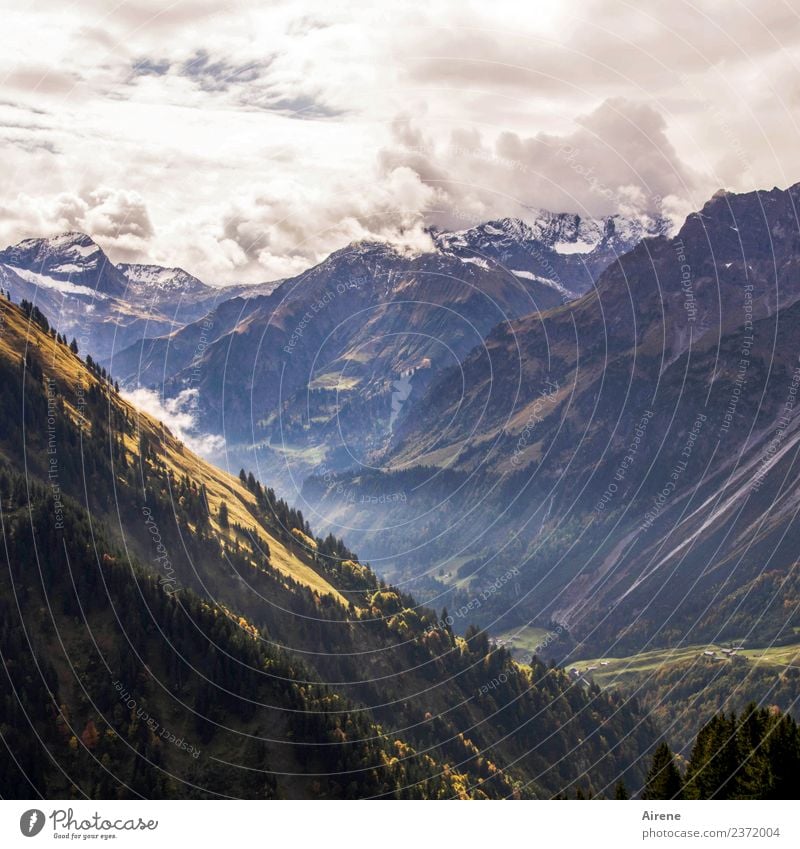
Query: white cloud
x=179, y=415
x=245, y=140
x=117, y=218
x=616, y=159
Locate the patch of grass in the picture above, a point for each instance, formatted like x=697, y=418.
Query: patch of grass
x=450, y=572
x=608, y=671
x=334, y=380
x=523, y=641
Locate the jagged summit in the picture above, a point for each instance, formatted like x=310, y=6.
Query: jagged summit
x=564, y=249
x=147, y=277
x=71, y=257
x=563, y=232
x=71, y=279
x=73, y=246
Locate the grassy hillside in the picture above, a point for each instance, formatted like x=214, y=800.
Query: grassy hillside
x=74, y=383
x=683, y=688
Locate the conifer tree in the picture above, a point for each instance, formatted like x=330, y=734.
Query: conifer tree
x=663, y=781
x=713, y=769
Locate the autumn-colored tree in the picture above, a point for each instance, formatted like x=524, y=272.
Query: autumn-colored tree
x=90, y=736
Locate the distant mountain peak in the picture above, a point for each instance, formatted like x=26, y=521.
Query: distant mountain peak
x=563, y=248
x=151, y=278
x=557, y=229
x=71, y=257
x=71, y=247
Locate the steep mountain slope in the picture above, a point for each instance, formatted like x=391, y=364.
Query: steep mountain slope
x=154, y=695
x=202, y=602
x=151, y=361
x=733, y=262
x=609, y=448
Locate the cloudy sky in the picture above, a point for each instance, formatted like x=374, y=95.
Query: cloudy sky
x=246, y=140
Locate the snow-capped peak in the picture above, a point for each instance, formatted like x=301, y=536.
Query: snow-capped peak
x=558, y=230
x=72, y=257
x=69, y=252
x=565, y=248
x=157, y=278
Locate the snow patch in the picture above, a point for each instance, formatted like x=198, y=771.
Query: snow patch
x=69, y=268
x=72, y=241
x=62, y=286
x=574, y=247
x=481, y=263
x=545, y=281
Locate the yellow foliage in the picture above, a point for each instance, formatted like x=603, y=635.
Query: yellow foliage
x=388, y=602
x=304, y=539
x=241, y=622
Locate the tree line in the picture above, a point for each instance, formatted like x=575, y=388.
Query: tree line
x=755, y=755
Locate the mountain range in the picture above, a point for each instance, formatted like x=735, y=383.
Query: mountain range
x=309, y=373
x=578, y=436
x=466, y=409
x=633, y=449
x=399, y=316
x=564, y=250
x=170, y=630
x=105, y=306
